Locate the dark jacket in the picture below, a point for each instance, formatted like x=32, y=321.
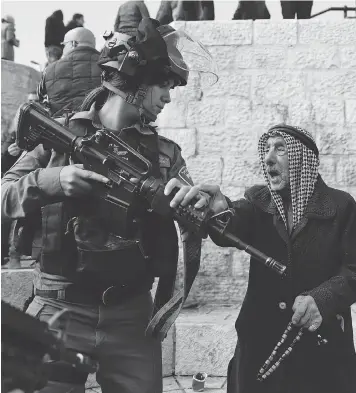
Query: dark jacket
x=130, y=15
x=252, y=10
x=72, y=24
x=65, y=83
x=54, y=29
x=320, y=256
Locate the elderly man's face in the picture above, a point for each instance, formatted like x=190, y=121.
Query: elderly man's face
x=276, y=161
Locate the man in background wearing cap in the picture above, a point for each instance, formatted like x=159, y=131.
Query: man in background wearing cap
x=65, y=83
x=311, y=228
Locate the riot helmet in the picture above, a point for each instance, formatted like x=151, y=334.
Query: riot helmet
x=155, y=54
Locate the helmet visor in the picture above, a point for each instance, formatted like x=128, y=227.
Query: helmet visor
x=190, y=55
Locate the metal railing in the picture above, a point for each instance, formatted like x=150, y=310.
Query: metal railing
x=345, y=9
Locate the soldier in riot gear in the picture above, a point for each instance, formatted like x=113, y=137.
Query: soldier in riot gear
x=98, y=265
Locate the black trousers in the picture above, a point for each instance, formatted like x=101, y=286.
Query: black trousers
x=299, y=9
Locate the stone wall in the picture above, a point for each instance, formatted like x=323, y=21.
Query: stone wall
x=17, y=81
x=297, y=72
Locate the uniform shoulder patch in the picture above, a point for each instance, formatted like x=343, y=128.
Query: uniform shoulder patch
x=184, y=176
x=164, y=161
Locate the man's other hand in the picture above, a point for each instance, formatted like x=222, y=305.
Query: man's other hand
x=306, y=313
x=76, y=181
x=204, y=194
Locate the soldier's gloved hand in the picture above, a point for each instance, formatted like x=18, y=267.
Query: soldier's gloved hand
x=306, y=313
x=76, y=181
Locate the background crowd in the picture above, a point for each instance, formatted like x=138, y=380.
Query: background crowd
x=130, y=14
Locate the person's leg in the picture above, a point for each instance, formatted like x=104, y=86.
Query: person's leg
x=288, y=9
x=304, y=9
x=129, y=361
x=80, y=337
x=14, y=253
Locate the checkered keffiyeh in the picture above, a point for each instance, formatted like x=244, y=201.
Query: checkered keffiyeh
x=303, y=171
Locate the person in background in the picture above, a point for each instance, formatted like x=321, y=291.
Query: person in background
x=77, y=21
x=10, y=153
x=251, y=10
x=129, y=16
x=54, y=33
x=65, y=83
x=296, y=9
x=170, y=11
x=53, y=53
x=8, y=38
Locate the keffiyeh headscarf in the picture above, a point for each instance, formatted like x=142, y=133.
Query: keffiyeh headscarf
x=303, y=158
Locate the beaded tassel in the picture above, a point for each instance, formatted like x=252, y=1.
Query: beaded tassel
x=266, y=370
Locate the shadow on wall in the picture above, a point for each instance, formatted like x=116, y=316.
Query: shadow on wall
x=17, y=81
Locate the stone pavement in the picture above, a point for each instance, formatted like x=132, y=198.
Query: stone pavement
x=179, y=384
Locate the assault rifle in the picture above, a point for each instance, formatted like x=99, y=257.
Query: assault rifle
x=28, y=344
x=107, y=154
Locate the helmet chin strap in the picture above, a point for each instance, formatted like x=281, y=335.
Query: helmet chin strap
x=134, y=99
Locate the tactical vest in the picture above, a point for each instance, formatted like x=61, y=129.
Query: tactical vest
x=69, y=79
x=79, y=240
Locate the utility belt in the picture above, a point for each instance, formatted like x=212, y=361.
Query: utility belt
x=99, y=294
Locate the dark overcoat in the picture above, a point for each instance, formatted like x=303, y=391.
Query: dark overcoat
x=320, y=255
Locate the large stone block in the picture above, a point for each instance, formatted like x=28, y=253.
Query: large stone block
x=16, y=286
x=327, y=169
x=265, y=115
x=329, y=111
x=237, y=112
x=210, y=290
x=242, y=171
x=217, y=33
x=205, y=169
x=186, y=139
x=231, y=84
x=326, y=32
x=346, y=171
x=224, y=56
x=350, y=112
x=300, y=112
x=205, y=342
x=278, y=86
x=348, y=56
x=331, y=84
x=314, y=56
x=215, y=261
x=251, y=57
x=336, y=140
x=234, y=140
x=208, y=112
x=240, y=265
x=275, y=33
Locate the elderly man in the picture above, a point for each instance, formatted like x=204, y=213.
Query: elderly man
x=311, y=228
x=66, y=82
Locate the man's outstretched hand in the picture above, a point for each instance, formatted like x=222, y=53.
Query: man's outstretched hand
x=204, y=194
